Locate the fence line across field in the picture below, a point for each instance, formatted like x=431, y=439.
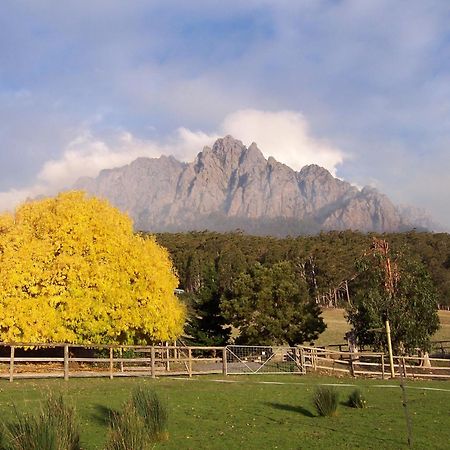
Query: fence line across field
x=111, y=361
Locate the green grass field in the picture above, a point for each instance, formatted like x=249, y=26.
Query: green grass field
x=337, y=326
x=259, y=412
x=248, y=414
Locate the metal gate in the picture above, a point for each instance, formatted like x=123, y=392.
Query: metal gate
x=244, y=359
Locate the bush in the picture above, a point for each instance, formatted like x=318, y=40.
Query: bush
x=141, y=424
x=128, y=431
x=325, y=400
x=153, y=411
x=356, y=399
x=55, y=428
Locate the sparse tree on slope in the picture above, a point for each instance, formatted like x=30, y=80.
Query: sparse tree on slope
x=394, y=286
x=73, y=270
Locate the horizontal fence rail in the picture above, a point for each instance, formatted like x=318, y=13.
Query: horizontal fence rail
x=34, y=360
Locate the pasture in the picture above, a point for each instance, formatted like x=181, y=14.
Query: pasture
x=337, y=326
x=258, y=411
x=254, y=412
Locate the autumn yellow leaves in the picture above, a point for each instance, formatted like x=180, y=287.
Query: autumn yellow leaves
x=72, y=270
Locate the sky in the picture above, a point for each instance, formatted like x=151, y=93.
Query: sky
x=361, y=87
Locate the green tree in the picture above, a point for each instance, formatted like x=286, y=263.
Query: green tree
x=205, y=324
x=398, y=287
x=73, y=270
x=271, y=306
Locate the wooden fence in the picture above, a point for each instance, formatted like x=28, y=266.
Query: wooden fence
x=20, y=360
x=373, y=364
x=68, y=361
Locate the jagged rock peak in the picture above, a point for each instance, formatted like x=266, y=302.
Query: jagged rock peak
x=228, y=154
x=313, y=170
x=227, y=144
x=228, y=150
x=232, y=184
x=254, y=155
x=370, y=190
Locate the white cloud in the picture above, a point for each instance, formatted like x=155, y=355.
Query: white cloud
x=87, y=155
x=84, y=156
x=9, y=199
x=185, y=144
x=283, y=134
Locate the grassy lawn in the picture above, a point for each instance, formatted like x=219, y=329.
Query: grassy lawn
x=248, y=414
x=337, y=326
x=443, y=334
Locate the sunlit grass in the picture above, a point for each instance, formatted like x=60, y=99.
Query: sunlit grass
x=337, y=326
x=245, y=414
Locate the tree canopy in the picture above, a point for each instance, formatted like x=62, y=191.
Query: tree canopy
x=271, y=305
x=72, y=270
x=394, y=286
x=208, y=263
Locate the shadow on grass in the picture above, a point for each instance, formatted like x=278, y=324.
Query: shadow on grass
x=320, y=425
x=103, y=415
x=297, y=409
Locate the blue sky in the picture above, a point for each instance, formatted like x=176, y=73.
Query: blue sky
x=359, y=86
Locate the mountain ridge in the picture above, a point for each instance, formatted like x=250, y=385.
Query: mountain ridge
x=230, y=186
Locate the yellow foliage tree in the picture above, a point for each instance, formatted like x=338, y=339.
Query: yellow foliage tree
x=72, y=270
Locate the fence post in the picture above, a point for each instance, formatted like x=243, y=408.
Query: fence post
x=152, y=362
x=391, y=357
x=224, y=361
x=296, y=358
x=404, y=367
x=351, y=366
x=66, y=362
x=11, y=364
x=111, y=363
x=167, y=352
x=302, y=360
x=190, y=361
x=121, y=358
x=314, y=360
x=382, y=366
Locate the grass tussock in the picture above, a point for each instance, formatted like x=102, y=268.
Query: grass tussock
x=356, y=400
x=141, y=423
x=127, y=431
x=325, y=400
x=154, y=412
x=54, y=428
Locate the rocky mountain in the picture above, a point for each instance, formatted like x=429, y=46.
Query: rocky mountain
x=231, y=186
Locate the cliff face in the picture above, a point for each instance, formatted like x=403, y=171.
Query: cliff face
x=231, y=186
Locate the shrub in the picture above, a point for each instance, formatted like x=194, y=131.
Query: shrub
x=141, y=424
x=128, y=431
x=325, y=400
x=356, y=399
x=55, y=428
x=153, y=411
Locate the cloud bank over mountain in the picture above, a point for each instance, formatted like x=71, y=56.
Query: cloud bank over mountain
x=364, y=81
x=285, y=135
x=230, y=185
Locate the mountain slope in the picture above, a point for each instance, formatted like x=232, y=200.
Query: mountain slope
x=231, y=186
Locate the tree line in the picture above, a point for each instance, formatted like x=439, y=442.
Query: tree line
x=237, y=281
